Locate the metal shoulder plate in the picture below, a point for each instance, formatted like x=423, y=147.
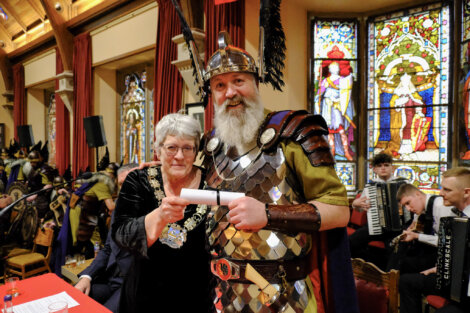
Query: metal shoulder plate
x=308, y=130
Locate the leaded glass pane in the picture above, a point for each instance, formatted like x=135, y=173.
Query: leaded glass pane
x=466, y=21
x=328, y=34
x=133, y=121
x=347, y=174
x=51, y=130
x=464, y=89
x=408, y=87
x=334, y=80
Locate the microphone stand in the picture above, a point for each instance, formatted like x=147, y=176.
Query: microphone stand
x=10, y=206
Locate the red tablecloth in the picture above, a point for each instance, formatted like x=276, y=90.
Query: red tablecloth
x=50, y=284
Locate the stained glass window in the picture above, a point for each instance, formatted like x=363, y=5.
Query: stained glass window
x=464, y=88
x=408, y=92
x=51, y=130
x=133, y=120
x=334, y=77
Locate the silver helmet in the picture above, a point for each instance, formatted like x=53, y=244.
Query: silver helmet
x=229, y=58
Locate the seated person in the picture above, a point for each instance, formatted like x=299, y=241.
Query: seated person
x=455, y=190
x=382, y=167
x=417, y=245
x=5, y=200
x=96, y=204
x=102, y=280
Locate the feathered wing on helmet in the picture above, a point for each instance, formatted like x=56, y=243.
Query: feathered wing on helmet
x=45, y=151
x=196, y=60
x=232, y=59
x=104, y=162
x=272, y=45
x=68, y=173
x=36, y=147
x=13, y=148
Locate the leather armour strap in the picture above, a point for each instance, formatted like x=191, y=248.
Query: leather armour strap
x=293, y=218
x=295, y=269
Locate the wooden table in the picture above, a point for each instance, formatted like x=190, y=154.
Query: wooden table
x=71, y=273
x=49, y=284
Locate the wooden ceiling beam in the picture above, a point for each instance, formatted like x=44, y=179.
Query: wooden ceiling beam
x=7, y=72
x=38, y=9
x=11, y=12
x=63, y=36
x=6, y=38
x=5, y=30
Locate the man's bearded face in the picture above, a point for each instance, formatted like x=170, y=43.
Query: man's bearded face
x=237, y=120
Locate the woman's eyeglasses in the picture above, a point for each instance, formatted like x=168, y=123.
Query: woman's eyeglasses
x=172, y=150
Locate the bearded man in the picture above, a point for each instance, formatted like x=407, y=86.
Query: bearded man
x=290, y=225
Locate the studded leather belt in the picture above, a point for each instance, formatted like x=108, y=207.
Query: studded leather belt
x=272, y=270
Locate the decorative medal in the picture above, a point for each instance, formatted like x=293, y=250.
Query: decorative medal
x=173, y=235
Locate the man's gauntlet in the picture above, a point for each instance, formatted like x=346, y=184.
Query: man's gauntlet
x=293, y=218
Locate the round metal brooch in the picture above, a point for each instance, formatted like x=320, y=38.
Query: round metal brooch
x=267, y=136
x=212, y=144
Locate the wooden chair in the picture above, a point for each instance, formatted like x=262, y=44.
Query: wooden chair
x=32, y=263
x=435, y=302
x=377, y=291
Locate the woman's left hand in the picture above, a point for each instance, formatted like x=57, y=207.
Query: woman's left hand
x=247, y=213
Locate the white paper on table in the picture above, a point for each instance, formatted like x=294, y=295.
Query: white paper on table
x=40, y=305
x=209, y=197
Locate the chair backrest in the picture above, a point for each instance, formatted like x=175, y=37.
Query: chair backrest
x=377, y=290
x=44, y=238
x=358, y=218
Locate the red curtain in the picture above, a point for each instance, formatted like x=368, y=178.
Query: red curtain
x=168, y=83
x=217, y=2
x=229, y=17
x=82, y=87
x=62, y=124
x=19, y=109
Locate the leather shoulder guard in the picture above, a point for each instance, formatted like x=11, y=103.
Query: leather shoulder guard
x=308, y=130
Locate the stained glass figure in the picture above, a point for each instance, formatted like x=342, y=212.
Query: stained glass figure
x=334, y=76
x=464, y=88
x=466, y=20
x=133, y=121
x=51, y=130
x=151, y=111
x=408, y=87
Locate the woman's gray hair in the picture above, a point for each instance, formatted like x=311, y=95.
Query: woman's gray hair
x=178, y=125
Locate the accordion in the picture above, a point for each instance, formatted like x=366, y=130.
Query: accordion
x=453, y=258
x=385, y=214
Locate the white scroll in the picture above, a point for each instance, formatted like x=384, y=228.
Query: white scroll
x=209, y=197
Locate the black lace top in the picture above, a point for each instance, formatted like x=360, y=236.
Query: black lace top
x=161, y=279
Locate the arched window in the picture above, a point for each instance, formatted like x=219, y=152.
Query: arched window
x=408, y=92
x=334, y=79
x=133, y=119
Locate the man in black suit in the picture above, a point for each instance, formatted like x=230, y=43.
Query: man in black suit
x=102, y=280
x=455, y=190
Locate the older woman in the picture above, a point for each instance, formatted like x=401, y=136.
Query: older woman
x=171, y=266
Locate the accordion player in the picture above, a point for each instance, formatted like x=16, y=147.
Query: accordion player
x=385, y=213
x=453, y=258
